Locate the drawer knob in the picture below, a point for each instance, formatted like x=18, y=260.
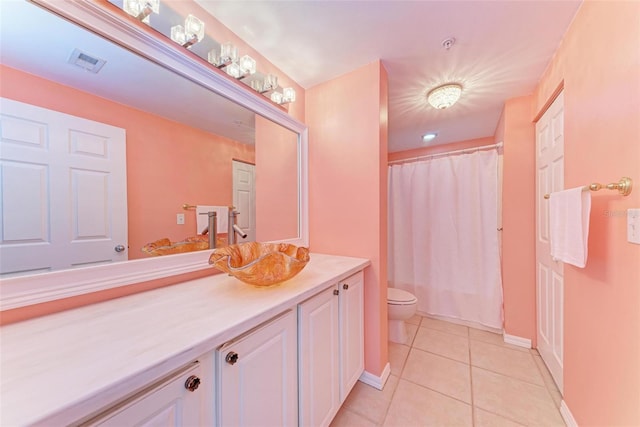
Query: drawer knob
x=192, y=383
x=232, y=357
x=336, y=292
x=345, y=286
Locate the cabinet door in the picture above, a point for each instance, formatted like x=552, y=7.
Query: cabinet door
x=166, y=404
x=351, y=332
x=258, y=376
x=318, y=358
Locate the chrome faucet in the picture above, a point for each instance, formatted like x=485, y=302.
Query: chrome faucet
x=233, y=228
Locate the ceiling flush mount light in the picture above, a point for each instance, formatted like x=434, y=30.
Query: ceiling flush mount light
x=444, y=96
x=190, y=34
x=141, y=9
x=429, y=136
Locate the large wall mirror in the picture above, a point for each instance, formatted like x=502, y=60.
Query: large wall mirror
x=186, y=130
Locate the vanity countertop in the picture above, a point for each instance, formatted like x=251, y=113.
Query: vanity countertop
x=61, y=367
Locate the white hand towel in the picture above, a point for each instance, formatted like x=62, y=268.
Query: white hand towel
x=569, y=225
x=222, y=217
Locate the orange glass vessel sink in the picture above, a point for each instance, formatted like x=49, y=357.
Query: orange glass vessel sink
x=260, y=264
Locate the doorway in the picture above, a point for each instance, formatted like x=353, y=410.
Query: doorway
x=549, y=273
x=244, y=199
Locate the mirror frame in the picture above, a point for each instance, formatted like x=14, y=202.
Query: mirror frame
x=100, y=17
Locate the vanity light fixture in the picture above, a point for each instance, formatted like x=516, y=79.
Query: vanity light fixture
x=429, y=136
x=226, y=55
x=444, y=96
x=141, y=9
x=190, y=34
x=270, y=82
x=242, y=68
x=288, y=95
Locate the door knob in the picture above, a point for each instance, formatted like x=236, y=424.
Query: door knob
x=232, y=358
x=336, y=292
x=345, y=286
x=119, y=248
x=192, y=383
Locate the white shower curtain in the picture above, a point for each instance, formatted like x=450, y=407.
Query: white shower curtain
x=443, y=238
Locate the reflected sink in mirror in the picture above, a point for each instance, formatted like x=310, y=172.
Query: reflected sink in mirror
x=165, y=246
x=260, y=264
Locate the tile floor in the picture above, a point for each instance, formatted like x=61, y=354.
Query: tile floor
x=452, y=375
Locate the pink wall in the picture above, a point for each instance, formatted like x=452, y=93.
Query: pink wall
x=162, y=156
x=347, y=186
x=276, y=181
x=517, y=132
x=599, y=64
x=435, y=149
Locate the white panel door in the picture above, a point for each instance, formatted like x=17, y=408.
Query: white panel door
x=63, y=190
x=549, y=273
x=244, y=199
x=318, y=363
x=258, y=376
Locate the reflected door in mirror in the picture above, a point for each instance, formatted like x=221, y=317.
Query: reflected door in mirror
x=64, y=199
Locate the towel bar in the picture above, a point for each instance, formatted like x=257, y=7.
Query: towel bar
x=623, y=186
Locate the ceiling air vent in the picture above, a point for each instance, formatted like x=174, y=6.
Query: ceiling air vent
x=86, y=62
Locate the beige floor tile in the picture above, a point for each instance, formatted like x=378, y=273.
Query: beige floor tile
x=448, y=345
x=492, y=338
x=505, y=361
x=397, y=357
x=414, y=405
x=346, y=418
x=370, y=402
x=546, y=375
x=415, y=320
x=482, y=418
x=527, y=403
x=556, y=396
x=438, y=373
x=411, y=333
x=443, y=326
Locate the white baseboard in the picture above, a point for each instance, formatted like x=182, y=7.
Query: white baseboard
x=567, y=416
x=514, y=340
x=374, y=380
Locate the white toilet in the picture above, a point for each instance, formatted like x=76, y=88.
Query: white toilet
x=401, y=306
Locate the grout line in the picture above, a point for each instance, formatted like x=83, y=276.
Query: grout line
x=510, y=377
x=549, y=388
x=393, y=395
x=473, y=405
x=441, y=355
x=435, y=391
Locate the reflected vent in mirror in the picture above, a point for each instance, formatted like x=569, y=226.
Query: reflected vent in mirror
x=85, y=61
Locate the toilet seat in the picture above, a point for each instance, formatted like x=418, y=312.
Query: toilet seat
x=399, y=297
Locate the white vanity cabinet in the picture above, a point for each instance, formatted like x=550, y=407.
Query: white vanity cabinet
x=183, y=398
x=331, y=349
x=258, y=376
x=126, y=361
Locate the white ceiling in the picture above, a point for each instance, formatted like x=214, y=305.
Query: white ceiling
x=501, y=51
x=502, y=48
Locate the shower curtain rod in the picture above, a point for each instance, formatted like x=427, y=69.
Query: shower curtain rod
x=448, y=153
